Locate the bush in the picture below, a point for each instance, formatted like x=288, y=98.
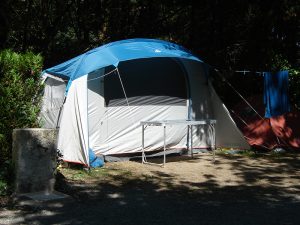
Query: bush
x=294, y=81
x=19, y=95
x=5, y=178
x=280, y=63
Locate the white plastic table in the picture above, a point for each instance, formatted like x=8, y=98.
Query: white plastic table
x=189, y=123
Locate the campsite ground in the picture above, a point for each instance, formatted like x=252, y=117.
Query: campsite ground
x=233, y=190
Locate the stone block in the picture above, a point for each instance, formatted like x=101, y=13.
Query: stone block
x=34, y=159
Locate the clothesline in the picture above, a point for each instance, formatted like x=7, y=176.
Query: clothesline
x=248, y=71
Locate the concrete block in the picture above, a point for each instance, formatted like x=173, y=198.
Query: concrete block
x=34, y=159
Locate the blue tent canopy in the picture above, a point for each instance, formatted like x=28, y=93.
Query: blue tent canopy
x=115, y=52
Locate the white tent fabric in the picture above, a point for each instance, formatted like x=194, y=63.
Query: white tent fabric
x=114, y=87
x=116, y=129
x=53, y=98
x=228, y=132
x=111, y=127
x=73, y=138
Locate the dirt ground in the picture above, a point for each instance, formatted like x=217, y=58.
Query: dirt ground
x=233, y=190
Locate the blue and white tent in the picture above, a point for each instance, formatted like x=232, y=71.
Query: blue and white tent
x=110, y=89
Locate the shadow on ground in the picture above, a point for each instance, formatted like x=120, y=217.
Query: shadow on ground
x=156, y=199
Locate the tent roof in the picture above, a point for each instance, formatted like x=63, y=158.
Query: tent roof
x=115, y=52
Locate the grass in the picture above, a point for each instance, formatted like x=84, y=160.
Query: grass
x=80, y=174
x=254, y=153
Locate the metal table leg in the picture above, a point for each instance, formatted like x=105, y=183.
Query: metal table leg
x=188, y=138
x=213, y=144
x=164, y=145
x=192, y=152
x=143, y=145
x=144, y=158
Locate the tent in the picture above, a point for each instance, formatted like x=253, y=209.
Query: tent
x=99, y=98
x=267, y=133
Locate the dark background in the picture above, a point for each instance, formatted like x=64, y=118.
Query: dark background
x=229, y=35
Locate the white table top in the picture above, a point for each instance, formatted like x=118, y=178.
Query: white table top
x=178, y=122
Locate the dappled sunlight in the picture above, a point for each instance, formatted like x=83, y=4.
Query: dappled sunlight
x=185, y=191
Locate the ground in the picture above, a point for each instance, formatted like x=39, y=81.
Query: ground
x=236, y=189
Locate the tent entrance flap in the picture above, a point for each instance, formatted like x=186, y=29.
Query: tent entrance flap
x=148, y=88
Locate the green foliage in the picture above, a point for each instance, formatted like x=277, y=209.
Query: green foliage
x=294, y=81
x=3, y=186
x=279, y=62
x=231, y=35
x=19, y=95
x=5, y=178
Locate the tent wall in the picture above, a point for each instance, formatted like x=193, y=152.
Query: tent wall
x=73, y=133
x=201, y=106
x=53, y=99
x=227, y=133
x=121, y=130
x=207, y=105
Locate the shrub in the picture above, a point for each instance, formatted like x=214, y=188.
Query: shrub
x=280, y=63
x=294, y=81
x=19, y=95
x=5, y=178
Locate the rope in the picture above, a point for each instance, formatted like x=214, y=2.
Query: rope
x=244, y=122
x=123, y=87
x=278, y=139
x=133, y=120
x=248, y=71
x=229, y=84
x=247, y=126
x=104, y=75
